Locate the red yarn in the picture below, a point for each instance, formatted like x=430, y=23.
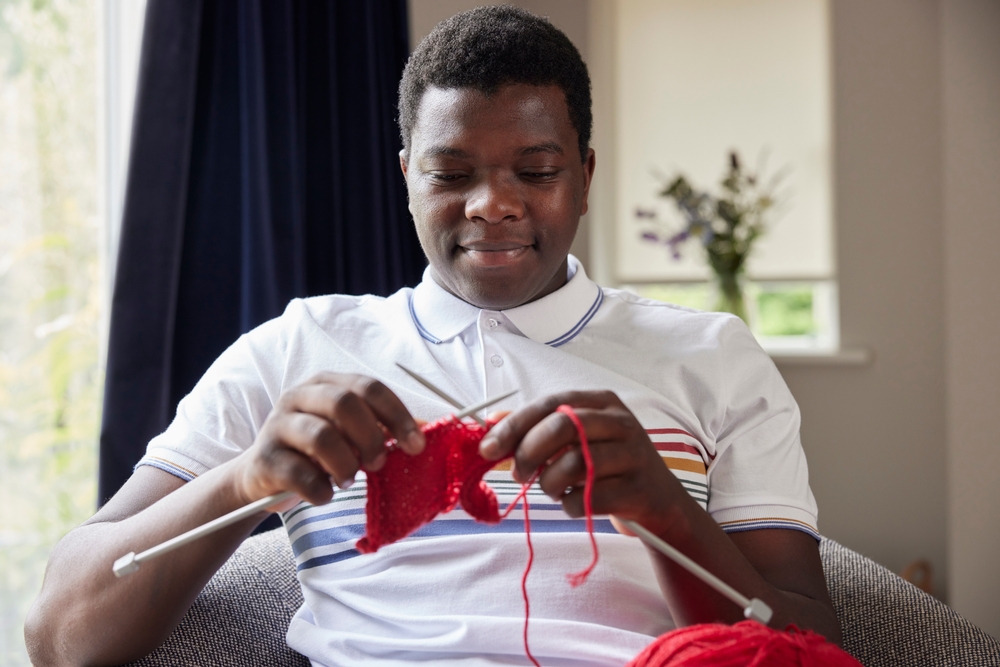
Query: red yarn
x=745, y=644
x=578, y=578
x=409, y=491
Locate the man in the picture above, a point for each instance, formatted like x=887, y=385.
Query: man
x=495, y=118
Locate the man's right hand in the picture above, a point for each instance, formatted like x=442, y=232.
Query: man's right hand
x=320, y=432
x=324, y=431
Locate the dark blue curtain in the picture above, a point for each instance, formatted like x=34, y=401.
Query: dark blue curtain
x=264, y=166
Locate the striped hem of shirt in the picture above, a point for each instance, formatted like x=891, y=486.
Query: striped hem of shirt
x=761, y=523
x=167, y=466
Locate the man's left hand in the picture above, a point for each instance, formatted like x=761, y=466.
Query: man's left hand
x=630, y=479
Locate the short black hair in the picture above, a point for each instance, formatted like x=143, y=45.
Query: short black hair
x=489, y=47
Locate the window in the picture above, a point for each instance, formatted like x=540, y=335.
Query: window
x=61, y=62
x=693, y=80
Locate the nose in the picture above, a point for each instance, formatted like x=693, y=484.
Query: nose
x=494, y=200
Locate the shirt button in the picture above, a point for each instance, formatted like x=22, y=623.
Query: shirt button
x=496, y=360
x=492, y=323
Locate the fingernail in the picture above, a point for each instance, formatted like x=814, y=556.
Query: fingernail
x=488, y=447
x=347, y=483
x=416, y=440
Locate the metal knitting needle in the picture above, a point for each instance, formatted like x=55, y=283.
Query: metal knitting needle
x=440, y=392
x=754, y=609
x=130, y=562
x=473, y=409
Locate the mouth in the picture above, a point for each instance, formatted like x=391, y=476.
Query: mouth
x=494, y=253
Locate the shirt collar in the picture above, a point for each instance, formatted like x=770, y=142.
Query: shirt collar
x=554, y=319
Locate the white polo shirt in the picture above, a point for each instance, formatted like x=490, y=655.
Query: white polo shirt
x=712, y=401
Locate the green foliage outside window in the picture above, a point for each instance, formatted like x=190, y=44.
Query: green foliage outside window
x=775, y=309
x=50, y=371
x=785, y=312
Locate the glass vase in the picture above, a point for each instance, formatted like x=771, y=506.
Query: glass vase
x=731, y=295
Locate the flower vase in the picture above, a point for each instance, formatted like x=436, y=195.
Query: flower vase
x=731, y=297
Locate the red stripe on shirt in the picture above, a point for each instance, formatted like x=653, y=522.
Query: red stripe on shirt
x=676, y=446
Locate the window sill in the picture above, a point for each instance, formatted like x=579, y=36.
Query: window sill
x=851, y=356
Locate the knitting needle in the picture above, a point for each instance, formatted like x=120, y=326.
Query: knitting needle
x=473, y=409
x=440, y=392
x=755, y=609
x=130, y=562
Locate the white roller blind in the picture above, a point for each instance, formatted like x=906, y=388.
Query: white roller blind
x=697, y=78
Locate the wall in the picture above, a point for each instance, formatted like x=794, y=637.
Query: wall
x=875, y=434
x=971, y=70
x=903, y=459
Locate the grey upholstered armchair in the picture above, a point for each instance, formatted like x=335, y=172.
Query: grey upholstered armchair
x=240, y=618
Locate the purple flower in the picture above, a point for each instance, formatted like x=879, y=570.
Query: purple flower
x=679, y=238
x=651, y=236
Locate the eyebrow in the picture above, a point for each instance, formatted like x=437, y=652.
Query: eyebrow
x=547, y=147
x=450, y=151
x=445, y=151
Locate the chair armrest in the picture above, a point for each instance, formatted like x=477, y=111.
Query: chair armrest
x=888, y=622
x=241, y=616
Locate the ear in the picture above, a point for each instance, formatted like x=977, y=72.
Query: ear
x=402, y=162
x=588, y=176
x=405, y=167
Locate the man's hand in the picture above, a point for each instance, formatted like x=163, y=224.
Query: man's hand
x=322, y=432
x=781, y=567
x=630, y=479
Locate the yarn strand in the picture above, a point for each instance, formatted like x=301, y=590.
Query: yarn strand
x=522, y=498
x=577, y=578
x=524, y=578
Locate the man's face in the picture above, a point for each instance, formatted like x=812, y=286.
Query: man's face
x=497, y=188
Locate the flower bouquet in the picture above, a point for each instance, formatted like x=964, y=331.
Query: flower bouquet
x=727, y=226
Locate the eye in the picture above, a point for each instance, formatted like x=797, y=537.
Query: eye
x=445, y=177
x=540, y=175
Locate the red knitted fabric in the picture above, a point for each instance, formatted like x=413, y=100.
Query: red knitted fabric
x=746, y=644
x=410, y=491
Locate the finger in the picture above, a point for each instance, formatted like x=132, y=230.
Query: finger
x=363, y=410
x=621, y=527
x=380, y=401
x=569, y=469
x=286, y=469
x=320, y=440
x=352, y=420
x=610, y=495
x=504, y=438
x=557, y=431
x=391, y=412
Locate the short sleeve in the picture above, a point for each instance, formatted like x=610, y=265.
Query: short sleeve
x=222, y=415
x=759, y=478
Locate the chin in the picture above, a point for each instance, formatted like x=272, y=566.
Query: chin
x=489, y=297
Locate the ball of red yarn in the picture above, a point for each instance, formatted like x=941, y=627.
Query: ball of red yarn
x=746, y=644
